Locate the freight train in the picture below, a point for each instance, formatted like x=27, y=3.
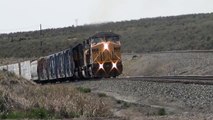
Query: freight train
x=96, y=57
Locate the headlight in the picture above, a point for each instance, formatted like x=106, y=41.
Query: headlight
x=101, y=66
x=106, y=46
x=114, y=65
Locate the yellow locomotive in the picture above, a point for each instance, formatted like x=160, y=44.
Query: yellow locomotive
x=106, y=55
x=101, y=55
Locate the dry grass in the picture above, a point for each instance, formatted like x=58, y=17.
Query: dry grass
x=17, y=94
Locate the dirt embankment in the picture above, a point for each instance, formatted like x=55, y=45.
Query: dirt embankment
x=168, y=63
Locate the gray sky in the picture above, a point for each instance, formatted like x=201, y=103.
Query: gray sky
x=24, y=15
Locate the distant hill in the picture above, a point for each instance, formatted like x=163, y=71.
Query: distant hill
x=186, y=32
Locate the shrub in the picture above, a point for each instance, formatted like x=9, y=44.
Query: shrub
x=38, y=113
x=2, y=104
x=13, y=115
x=66, y=114
x=102, y=95
x=161, y=112
x=84, y=90
x=123, y=103
x=126, y=105
x=119, y=101
x=74, y=115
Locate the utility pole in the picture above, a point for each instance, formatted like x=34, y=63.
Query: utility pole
x=41, y=35
x=41, y=42
x=76, y=22
x=40, y=29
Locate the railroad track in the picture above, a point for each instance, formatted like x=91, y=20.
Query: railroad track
x=203, y=80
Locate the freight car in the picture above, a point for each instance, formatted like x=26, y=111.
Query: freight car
x=97, y=57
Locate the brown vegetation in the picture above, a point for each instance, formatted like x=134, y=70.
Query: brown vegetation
x=19, y=95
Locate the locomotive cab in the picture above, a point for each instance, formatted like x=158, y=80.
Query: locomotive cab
x=106, y=55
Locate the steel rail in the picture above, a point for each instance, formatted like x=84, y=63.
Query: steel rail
x=203, y=80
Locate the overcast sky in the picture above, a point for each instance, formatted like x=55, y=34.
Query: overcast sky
x=24, y=15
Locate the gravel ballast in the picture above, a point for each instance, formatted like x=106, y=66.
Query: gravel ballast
x=174, y=96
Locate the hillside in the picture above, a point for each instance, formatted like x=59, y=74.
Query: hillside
x=186, y=32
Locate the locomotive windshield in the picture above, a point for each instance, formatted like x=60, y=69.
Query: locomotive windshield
x=105, y=39
x=97, y=40
x=112, y=38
